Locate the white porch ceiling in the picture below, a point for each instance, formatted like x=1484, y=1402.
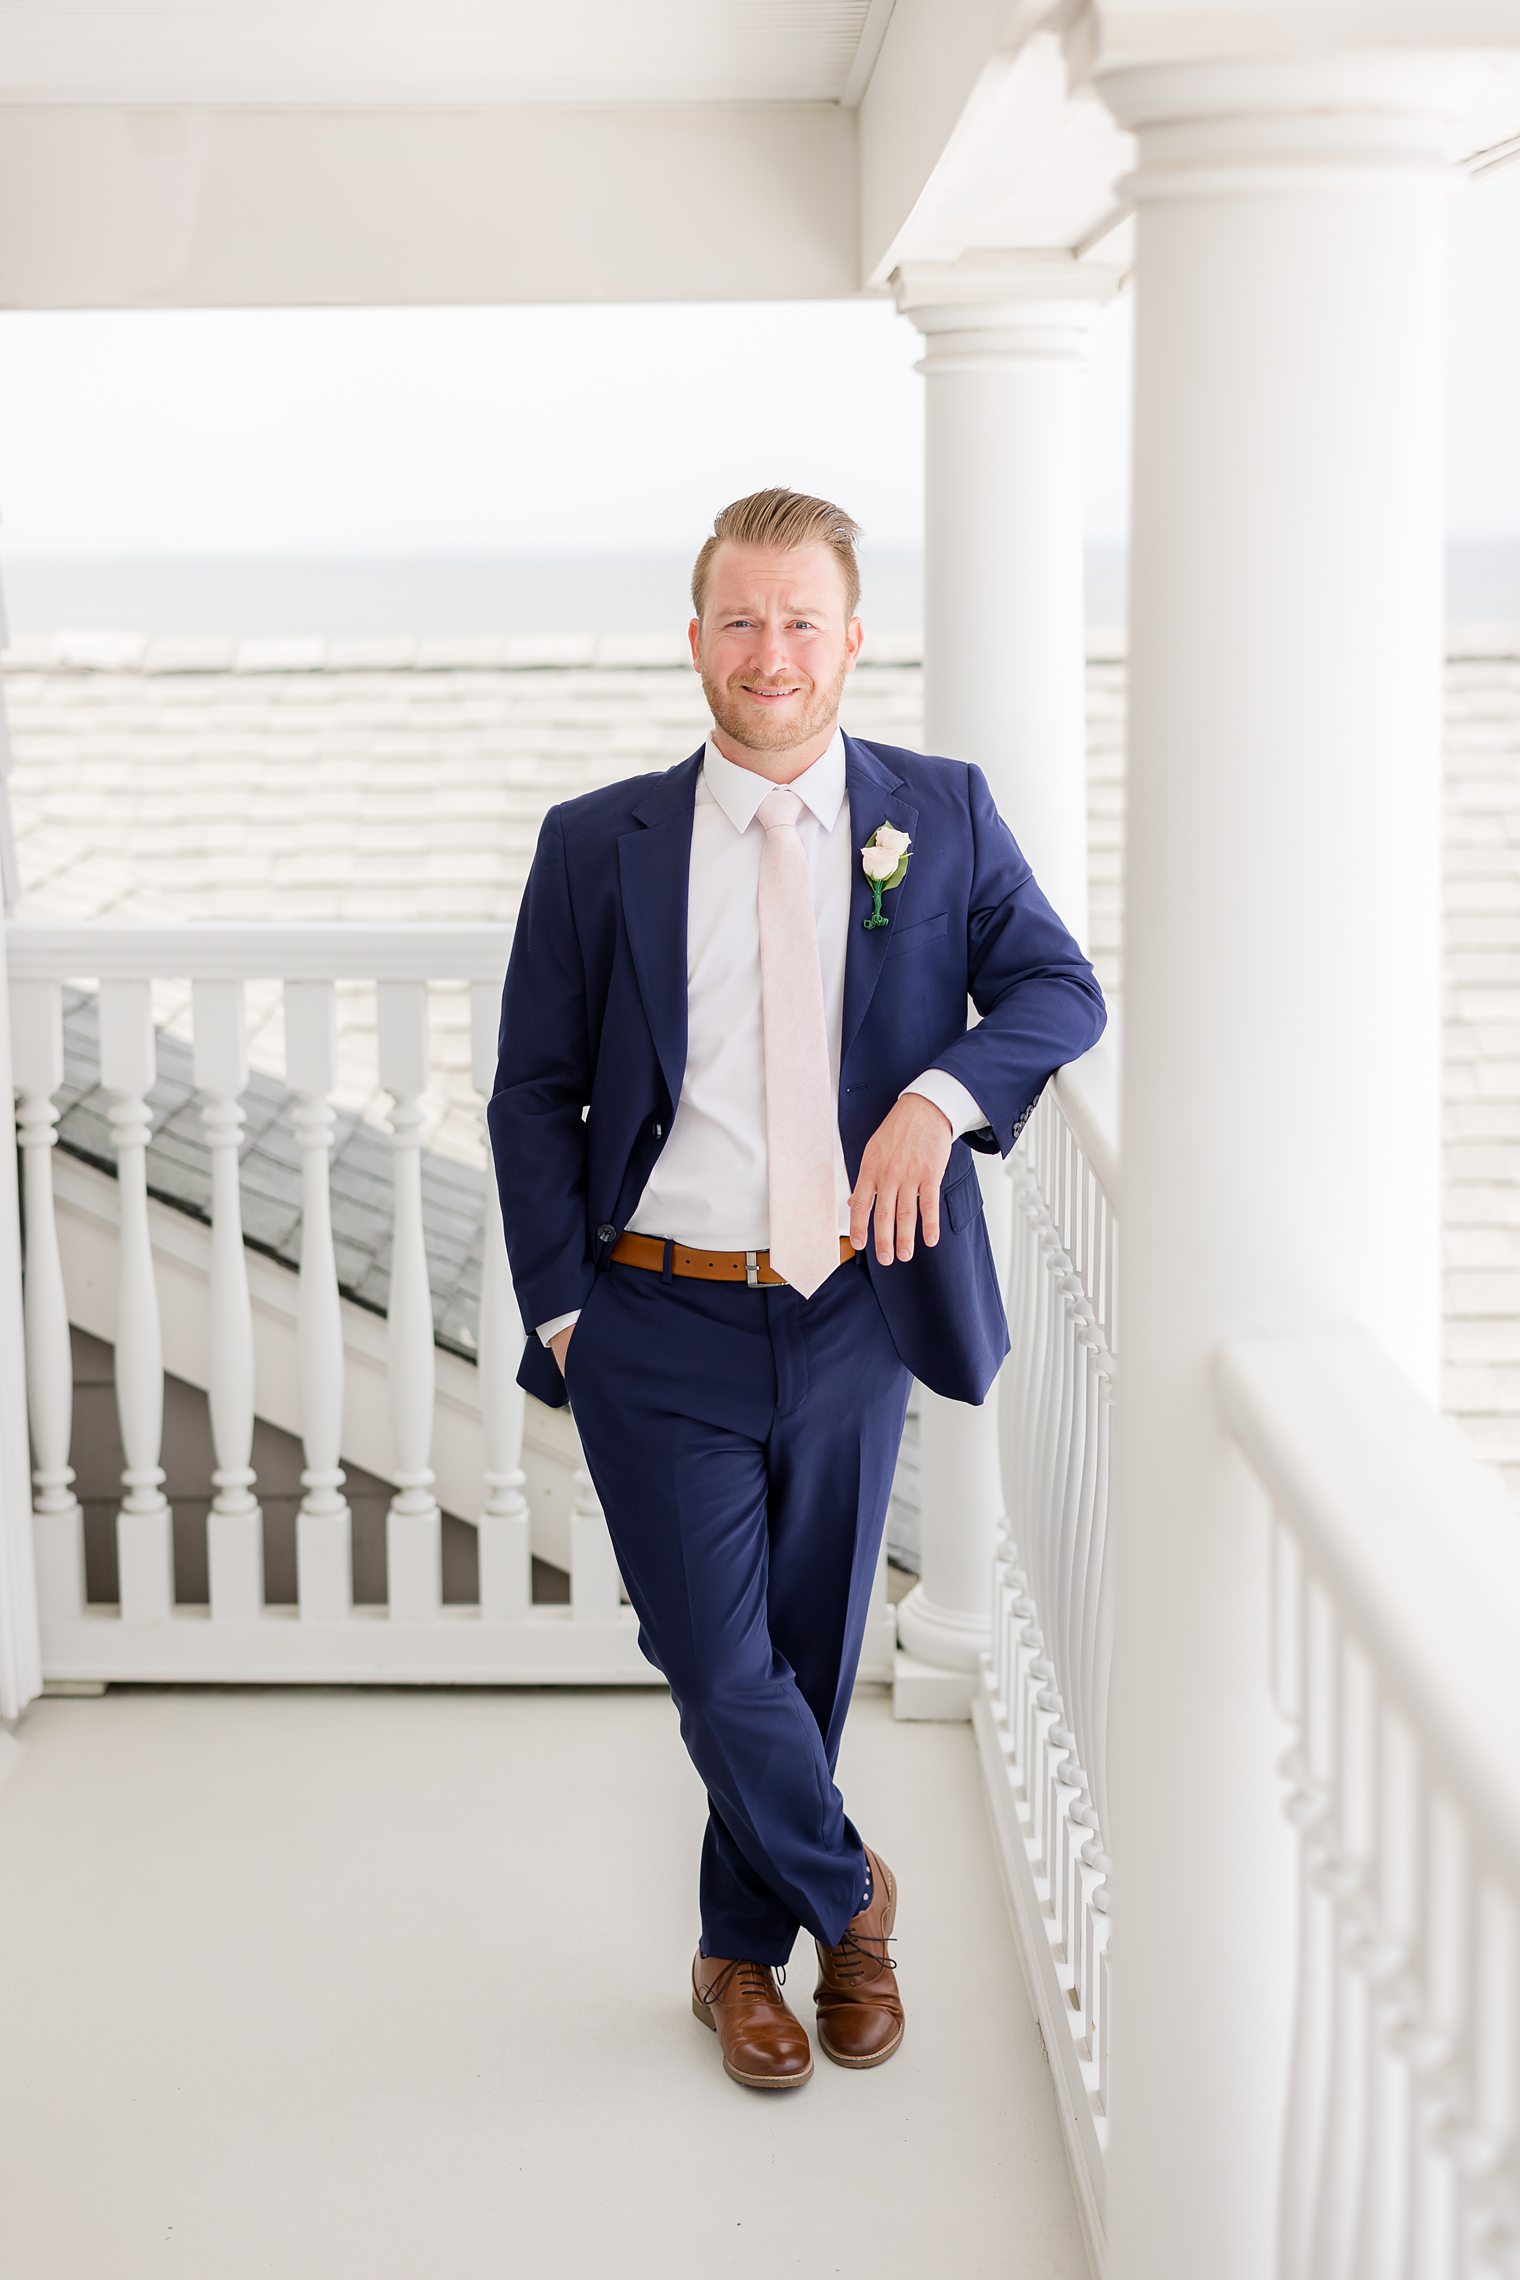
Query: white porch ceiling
x=225, y=153
x=295, y=52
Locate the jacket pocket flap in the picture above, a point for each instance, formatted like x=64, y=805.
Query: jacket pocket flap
x=963, y=1199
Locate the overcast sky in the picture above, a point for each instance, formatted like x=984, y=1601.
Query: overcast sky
x=577, y=430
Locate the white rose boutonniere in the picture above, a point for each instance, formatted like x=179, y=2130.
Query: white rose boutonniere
x=884, y=859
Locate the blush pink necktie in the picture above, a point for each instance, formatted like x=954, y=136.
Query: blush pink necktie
x=800, y=1117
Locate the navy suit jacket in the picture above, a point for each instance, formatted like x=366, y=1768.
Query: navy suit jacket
x=593, y=1019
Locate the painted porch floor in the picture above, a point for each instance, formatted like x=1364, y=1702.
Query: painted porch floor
x=310, y=1983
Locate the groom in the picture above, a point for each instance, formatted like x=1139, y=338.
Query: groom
x=732, y=1125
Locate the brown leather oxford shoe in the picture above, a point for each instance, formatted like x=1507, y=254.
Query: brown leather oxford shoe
x=860, y=2013
x=765, y=2045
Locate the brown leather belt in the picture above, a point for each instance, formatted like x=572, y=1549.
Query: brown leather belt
x=713, y=1266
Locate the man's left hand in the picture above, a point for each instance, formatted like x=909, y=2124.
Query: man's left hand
x=900, y=1173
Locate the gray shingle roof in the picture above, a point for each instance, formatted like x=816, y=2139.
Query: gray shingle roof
x=269, y=1181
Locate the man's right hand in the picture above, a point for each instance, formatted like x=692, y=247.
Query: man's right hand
x=559, y=1345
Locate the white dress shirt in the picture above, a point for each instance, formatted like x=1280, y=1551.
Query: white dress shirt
x=708, y=1185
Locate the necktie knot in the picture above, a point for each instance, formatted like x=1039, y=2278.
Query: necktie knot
x=779, y=807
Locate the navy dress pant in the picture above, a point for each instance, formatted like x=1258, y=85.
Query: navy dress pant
x=742, y=1441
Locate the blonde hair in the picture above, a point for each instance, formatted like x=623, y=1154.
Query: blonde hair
x=785, y=519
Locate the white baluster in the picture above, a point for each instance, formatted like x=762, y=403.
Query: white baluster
x=505, y=1532
x=324, y=1524
x=1025, y=1334
x=1004, y=1560
x=235, y=1522
x=1065, y=1783
x=1045, y=1552
x=1299, y=1680
x=1468, y=2150
x=1343, y=1875
x=1386, y=2216
x=595, y=1583
x=414, y=1524
x=1019, y=1402
x=58, y=1516
x=144, y=1522
x=1034, y=1520
x=1094, y=1852
x=1082, y=1817
x=1493, y=2199
x=1104, y=1938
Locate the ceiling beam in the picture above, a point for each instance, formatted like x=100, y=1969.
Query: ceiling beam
x=105, y=207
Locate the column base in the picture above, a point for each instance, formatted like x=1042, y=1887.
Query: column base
x=951, y=1638
x=927, y=1690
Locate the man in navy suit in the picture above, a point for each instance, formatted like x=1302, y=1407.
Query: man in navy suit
x=742, y=1436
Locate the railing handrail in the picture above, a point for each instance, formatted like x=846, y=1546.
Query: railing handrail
x=1088, y=1091
x=1415, y=1538
x=242, y=950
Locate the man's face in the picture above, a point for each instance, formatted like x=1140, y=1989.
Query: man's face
x=773, y=645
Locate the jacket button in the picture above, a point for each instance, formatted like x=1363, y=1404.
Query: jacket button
x=656, y=1130
x=605, y=1234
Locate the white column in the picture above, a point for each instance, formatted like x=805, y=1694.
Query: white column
x=1004, y=685
x=1281, y=1077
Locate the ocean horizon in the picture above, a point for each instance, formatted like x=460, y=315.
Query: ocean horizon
x=340, y=596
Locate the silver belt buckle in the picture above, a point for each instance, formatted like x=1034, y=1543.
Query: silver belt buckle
x=751, y=1270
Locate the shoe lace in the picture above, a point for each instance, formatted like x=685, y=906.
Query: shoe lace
x=855, y=1956
x=753, y=1979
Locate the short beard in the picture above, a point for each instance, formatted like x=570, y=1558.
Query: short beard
x=756, y=733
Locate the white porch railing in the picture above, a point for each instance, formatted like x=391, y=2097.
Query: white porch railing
x=325, y=1635
x=1041, y=1715
x=1394, y=1597
x=1393, y=1586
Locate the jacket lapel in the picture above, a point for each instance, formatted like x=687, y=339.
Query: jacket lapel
x=654, y=868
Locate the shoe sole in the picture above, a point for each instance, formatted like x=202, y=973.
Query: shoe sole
x=875, y=2057
x=703, y=2011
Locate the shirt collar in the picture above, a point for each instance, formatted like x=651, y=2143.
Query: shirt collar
x=739, y=790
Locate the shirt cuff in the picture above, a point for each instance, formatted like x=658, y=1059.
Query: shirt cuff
x=546, y=1330
x=948, y=1093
